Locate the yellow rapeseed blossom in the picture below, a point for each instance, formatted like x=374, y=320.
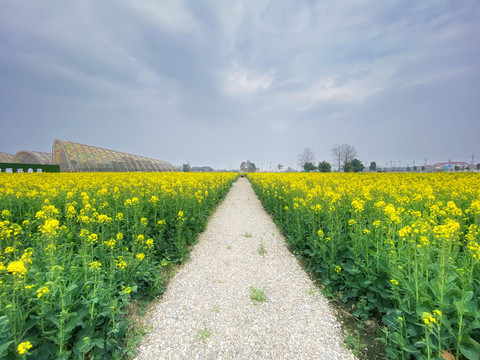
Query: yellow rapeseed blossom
x=17, y=268
x=140, y=256
x=8, y=249
x=95, y=265
x=42, y=291
x=23, y=347
x=50, y=227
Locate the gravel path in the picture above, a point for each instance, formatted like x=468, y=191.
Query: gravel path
x=206, y=311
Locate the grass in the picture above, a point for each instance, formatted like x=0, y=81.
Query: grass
x=261, y=249
x=257, y=295
x=354, y=342
x=247, y=234
x=203, y=334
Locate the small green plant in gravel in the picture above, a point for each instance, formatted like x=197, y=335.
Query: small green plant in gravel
x=203, y=334
x=261, y=249
x=354, y=342
x=257, y=295
x=247, y=234
x=216, y=309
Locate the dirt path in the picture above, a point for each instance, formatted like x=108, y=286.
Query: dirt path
x=207, y=311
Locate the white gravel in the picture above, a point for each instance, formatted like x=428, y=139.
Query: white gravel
x=206, y=311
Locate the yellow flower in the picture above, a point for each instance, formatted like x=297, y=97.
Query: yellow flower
x=320, y=233
x=122, y=264
x=149, y=243
x=338, y=268
x=28, y=287
x=2, y=266
x=95, y=265
x=394, y=282
x=104, y=219
x=119, y=236
x=111, y=243
x=27, y=256
x=160, y=222
x=366, y=231
x=24, y=347
x=428, y=319
x=126, y=290
x=93, y=238
x=42, y=291
x=17, y=268
x=140, y=256
x=8, y=250
x=50, y=227
x=144, y=221
x=351, y=222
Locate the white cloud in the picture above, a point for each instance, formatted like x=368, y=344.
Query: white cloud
x=355, y=86
x=171, y=15
x=242, y=80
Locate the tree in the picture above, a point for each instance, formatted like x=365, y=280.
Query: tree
x=408, y=168
x=243, y=167
x=478, y=166
x=354, y=166
x=308, y=166
x=186, y=167
x=343, y=154
x=373, y=166
x=306, y=156
x=324, y=167
x=415, y=168
x=251, y=167
x=279, y=167
x=423, y=168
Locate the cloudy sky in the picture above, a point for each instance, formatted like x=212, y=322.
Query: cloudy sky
x=218, y=82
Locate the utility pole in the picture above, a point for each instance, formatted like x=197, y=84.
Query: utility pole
x=473, y=159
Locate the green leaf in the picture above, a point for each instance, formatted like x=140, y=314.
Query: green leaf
x=4, y=348
x=470, y=352
x=4, y=324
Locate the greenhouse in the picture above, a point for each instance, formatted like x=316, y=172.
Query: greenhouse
x=6, y=158
x=73, y=156
x=33, y=157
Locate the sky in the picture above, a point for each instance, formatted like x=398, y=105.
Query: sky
x=220, y=82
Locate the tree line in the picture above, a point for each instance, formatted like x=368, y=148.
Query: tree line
x=344, y=158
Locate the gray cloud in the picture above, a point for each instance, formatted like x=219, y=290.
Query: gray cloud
x=218, y=82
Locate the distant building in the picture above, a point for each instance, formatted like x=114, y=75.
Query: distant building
x=6, y=158
x=75, y=157
x=202, y=169
x=33, y=157
x=450, y=165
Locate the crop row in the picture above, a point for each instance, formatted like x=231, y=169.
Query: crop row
x=76, y=248
x=404, y=247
